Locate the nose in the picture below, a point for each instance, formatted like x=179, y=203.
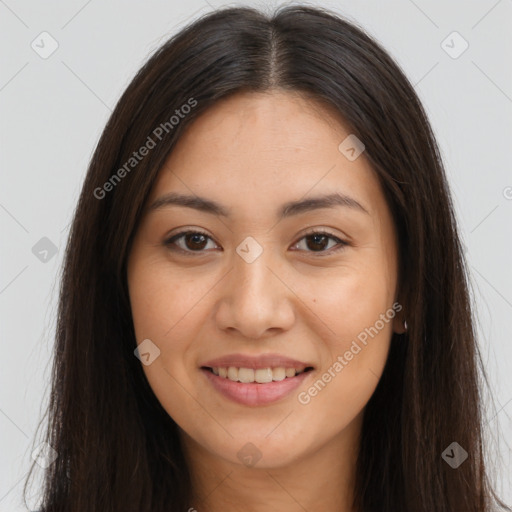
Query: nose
x=255, y=300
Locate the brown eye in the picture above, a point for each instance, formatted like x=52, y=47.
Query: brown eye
x=189, y=241
x=318, y=242
x=195, y=241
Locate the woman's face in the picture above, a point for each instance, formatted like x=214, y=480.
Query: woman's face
x=253, y=291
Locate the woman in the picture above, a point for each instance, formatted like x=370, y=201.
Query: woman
x=264, y=301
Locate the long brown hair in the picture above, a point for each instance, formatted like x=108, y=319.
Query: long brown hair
x=117, y=448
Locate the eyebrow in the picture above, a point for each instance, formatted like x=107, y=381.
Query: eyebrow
x=287, y=210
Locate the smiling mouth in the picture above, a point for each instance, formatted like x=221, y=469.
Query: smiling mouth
x=258, y=376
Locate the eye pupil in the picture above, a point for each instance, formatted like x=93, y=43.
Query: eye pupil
x=316, y=241
x=195, y=236
x=196, y=242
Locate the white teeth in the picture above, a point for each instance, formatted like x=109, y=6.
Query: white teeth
x=245, y=375
x=278, y=373
x=290, y=372
x=233, y=373
x=260, y=375
x=263, y=375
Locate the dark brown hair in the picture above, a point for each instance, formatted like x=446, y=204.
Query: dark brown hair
x=117, y=448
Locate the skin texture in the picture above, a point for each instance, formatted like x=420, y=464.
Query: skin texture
x=253, y=152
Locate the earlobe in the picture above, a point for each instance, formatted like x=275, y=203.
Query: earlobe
x=399, y=325
x=399, y=322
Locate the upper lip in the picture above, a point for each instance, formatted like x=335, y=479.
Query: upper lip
x=255, y=362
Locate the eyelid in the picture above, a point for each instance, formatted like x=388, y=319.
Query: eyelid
x=169, y=240
x=341, y=242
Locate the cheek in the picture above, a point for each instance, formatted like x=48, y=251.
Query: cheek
x=356, y=316
x=156, y=313
x=349, y=302
x=166, y=311
x=170, y=310
x=352, y=369
x=162, y=300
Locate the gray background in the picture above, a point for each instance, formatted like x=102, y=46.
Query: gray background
x=53, y=111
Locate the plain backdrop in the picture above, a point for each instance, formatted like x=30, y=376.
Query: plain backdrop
x=54, y=107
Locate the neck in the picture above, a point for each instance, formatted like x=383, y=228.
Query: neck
x=317, y=480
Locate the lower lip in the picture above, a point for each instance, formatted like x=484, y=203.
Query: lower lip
x=254, y=393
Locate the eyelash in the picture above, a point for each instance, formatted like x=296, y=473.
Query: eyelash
x=170, y=242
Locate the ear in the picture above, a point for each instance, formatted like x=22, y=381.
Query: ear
x=400, y=317
x=398, y=324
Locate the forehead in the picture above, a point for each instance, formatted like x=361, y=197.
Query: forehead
x=262, y=149
x=251, y=124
